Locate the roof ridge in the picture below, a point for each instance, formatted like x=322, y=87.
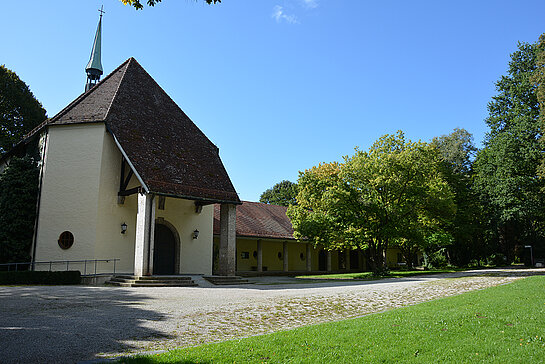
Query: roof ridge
x=128, y=61
x=85, y=94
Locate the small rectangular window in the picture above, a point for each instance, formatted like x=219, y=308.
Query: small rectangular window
x=245, y=255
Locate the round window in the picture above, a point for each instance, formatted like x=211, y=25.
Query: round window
x=279, y=255
x=66, y=240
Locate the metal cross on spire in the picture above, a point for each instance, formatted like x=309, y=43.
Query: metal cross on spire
x=94, y=67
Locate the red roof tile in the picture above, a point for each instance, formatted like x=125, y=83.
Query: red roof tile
x=259, y=220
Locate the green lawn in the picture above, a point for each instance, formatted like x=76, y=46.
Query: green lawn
x=393, y=274
x=504, y=324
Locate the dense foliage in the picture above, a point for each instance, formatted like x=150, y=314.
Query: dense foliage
x=18, y=196
x=394, y=193
x=506, y=169
x=467, y=228
x=138, y=5
x=538, y=78
x=283, y=193
x=20, y=112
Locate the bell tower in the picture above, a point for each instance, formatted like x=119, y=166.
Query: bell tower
x=94, y=67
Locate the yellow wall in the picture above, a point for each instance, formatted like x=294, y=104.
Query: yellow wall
x=270, y=251
x=195, y=254
x=250, y=246
x=391, y=258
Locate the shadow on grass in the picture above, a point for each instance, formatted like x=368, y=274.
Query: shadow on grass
x=148, y=360
x=67, y=324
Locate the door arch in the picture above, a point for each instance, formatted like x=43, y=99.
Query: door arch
x=166, y=251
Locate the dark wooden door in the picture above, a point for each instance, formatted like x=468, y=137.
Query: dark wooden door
x=354, y=259
x=164, y=254
x=322, y=260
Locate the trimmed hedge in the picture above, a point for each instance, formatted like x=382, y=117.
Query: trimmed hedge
x=41, y=277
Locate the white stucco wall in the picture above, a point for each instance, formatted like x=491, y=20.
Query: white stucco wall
x=79, y=194
x=70, y=187
x=110, y=242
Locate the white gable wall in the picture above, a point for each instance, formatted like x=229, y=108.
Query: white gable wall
x=69, y=195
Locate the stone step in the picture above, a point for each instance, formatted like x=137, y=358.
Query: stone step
x=171, y=278
x=121, y=280
x=163, y=284
x=118, y=284
x=151, y=281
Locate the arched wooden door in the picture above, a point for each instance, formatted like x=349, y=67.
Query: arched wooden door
x=164, y=254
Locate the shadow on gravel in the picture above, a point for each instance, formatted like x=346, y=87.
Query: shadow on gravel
x=67, y=324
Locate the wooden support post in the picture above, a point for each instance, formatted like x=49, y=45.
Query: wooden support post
x=329, y=260
x=285, y=256
x=259, y=256
x=309, y=257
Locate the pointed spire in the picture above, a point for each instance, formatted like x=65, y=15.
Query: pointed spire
x=94, y=67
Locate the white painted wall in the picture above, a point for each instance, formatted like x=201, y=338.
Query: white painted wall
x=79, y=194
x=70, y=187
x=110, y=242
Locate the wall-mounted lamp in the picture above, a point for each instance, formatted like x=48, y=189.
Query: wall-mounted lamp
x=123, y=228
x=195, y=234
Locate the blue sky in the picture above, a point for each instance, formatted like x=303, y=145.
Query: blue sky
x=282, y=85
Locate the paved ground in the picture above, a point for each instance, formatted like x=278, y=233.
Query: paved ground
x=67, y=324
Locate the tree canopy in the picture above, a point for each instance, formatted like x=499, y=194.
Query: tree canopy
x=18, y=194
x=393, y=193
x=507, y=167
x=138, y=5
x=458, y=151
x=283, y=193
x=20, y=112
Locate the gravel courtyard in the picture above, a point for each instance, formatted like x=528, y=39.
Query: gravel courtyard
x=67, y=324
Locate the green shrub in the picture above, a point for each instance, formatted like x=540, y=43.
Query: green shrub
x=437, y=259
x=41, y=277
x=496, y=259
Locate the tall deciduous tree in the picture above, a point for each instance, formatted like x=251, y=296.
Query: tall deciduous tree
x=18, y=193
x=507, y=168
x=20, y=112
x=390, y=194
x=283, y=193
x=458, y=152
x=538, y=78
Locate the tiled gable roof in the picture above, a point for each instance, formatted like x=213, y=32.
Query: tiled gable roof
x=169, y=152
x=93, y=105
x=259, y=220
